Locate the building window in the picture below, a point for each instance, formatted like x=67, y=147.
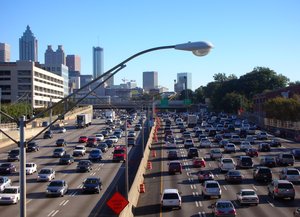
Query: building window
x=4, y=73
x=24, y=72
x=4, y=79
x=24, y=80
x=5, y=87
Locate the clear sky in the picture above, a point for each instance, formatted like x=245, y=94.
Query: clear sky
x=246, y=34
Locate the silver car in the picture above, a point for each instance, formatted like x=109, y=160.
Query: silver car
x=223, y=208
x=281, y=189
x=46, y=174
x=211, y=188
x=57, y=188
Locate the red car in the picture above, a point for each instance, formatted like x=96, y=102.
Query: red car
x=83, y=139
x=252, y=152
x=198, y=162
x=204, y=175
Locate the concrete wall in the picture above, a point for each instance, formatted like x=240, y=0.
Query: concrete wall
x=134, y=192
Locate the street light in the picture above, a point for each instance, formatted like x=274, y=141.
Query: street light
x=198, y=48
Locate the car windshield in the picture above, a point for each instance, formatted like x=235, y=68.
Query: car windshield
x=91, y=181
x=14, y=152
x=83, y=162
x=29, y=165
x=45, y=171
x=79, y=148
x=292, y=172
x=170, y=196
x=212, y=185
x=224, y=205
x=120, y=151
x=285, y=185
x=95, y=152
x=246, y=193
x=234, y=173
x=10, y=191
x=5, y=165
x=56, y=183
x=227, y=161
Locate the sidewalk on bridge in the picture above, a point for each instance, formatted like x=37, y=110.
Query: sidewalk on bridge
x=148, y=204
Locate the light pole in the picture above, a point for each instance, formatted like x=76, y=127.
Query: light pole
x=198, y=48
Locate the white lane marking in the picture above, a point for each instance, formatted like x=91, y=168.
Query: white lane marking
x=187, y=173
x=28, y=201
x=217, y=175
x=224, y=187
x=194, y=194
x=202, y=214
x=51, y=212
x=62, y=202
x=195, y=187
x=209, y=164
x=200, y=204
x=55, y=213
x=73, y=193
x=254, y=187
x=272, y=205
x=190, y=180
x=192, y=187
x=197, y=204
x=65, y=203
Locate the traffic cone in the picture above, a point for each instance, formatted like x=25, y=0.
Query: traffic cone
x=153, y=153
x=149, y=165
x=142, y=188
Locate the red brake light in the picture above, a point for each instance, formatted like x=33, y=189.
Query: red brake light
x=276, y=190
x=232, y=211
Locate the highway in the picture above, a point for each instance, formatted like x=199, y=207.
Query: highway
x=187, y=183
x=74, y=203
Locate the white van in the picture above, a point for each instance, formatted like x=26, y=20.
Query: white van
x=171, y=198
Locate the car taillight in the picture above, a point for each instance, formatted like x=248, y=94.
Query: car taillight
x=219, y=212
x=232, y=211
x=276, y=190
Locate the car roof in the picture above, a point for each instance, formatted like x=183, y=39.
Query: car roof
x=247, y=189
x=170, y=190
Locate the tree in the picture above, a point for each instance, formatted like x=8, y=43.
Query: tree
x=199, y=96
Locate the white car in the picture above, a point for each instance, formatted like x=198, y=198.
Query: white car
x=205, y=143
x=4, y=182
x=170, y=145
x=171, y=198
x=188, y=143
x=79, y=150
x=230, y=147
x=46, y=174
x=10, y=195
x=235, y=138
x=114, y=139
x=226, y=164
x=247, y=196
x=291, y=174
x=262, y=135
x=99, y=137
x=211, y=188
x=30, y=168
x=245, y=145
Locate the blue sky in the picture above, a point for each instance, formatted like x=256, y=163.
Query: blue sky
x=246, y=34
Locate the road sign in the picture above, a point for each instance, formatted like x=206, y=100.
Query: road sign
x=117, y=203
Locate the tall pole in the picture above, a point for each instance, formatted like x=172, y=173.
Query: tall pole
x=143, y=135
x=126, y=162
x=50, y=116
x=22, y=169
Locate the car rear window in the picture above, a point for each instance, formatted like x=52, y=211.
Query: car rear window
x=212, y=185
x=285, y=185
x=264, y=170
x=170, y=196
x=287, y=156
x=292, y=172
x=227, y=161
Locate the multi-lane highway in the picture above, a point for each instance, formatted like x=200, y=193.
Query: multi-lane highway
x=74, y=203
x=193, y=204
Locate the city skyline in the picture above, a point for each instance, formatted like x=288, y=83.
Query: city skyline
x=242, y=41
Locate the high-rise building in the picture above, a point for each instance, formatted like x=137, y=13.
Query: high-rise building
x=184, y=81
x=28, y=46
x=4, y=52
x=73, y=62
x=150, y=80
x=98, y=67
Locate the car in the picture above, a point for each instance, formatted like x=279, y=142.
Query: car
x=172, y=155
x=245, y=145
x=57, y=188
x=226, y=164
x=59, y=152
x=211, y=188
x=264, y=147
x=297, y=212
x=187, y=135
x=59, y=130
x=244, y=161
x=223, y=142
x=174, y=167
x=105, y=133
x=4, y=182
x=204, y=175
x=281, y=189
x=252, y=152
x=223, y=208
x=192, y=152
x=215, y=153
x=109, y=143
x=14, y=155
x=247, y=196
x=32, y=147
x=262, y=136
x=235, y=139
x=48, y=134
x=119, y=133
x=30, y=168
x=229, y=148
x=61, y=142
x=275, y=142
x=10, y=195
x=170, y=144
x=82, y=139
x=138, y=127
x=234, y=176
x=66, y=159
x=114, y=138
x=79, y=150
x=46, y=174
x=205, y=143
x=91, y=142
x=170, y=198
x=250, y=138
x=103, y=147
x=268, y=161
x=188, y=143
x=291, y=174
x=285, y=159
x=92, y=185
x=7, y=168
x=84, y=166
x=199, y=162
x=296, y=153
x=99, y=137
x=262, y=173
x=95, y=154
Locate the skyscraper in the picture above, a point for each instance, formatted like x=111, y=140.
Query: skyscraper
x=184, y=81
x=73, y=62
x=150, y=80
x=4, y=52
x=97, y=62
x=28, y=46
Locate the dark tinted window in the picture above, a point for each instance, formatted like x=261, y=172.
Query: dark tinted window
x=285, y=185
x=170, y=196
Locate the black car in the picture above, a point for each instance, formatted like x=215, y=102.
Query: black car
x=84, y=166
x=66, y=159
x=275, y=143
x=7, y=168
x=296, y=153
x=61, y=142
x=262, y=174
x=109, y=142
x=48, y=134
x=95, y=155
x=264, y=147
x=193, y=152
x=92, y=185
x=32, y=147
x=14, y=155
x=103, y=147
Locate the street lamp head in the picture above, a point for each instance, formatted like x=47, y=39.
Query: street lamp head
x=200, y=48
